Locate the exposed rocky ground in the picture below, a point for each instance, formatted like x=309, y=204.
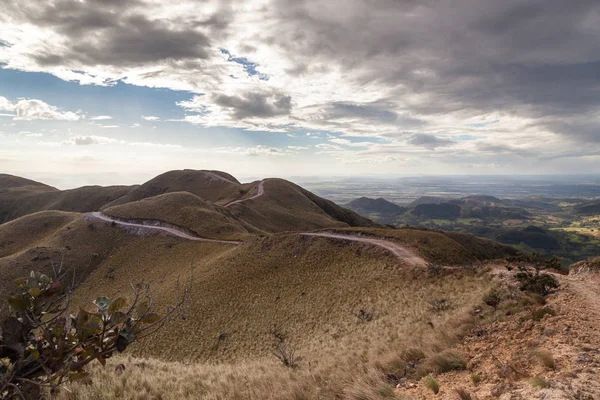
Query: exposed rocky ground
x=526, y=353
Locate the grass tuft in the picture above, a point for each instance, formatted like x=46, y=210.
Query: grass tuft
x=546, y=359
x=432, y=384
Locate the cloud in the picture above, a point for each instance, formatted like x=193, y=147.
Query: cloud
x=150, y=118
x=406, y=71
x=30, y=109
x=31, y=134
x=89, y=140
x=256, y=151
x=429, y=141
x=154, y=145
x=101, y=118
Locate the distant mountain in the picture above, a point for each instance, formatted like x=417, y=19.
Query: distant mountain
x=380, y=205
x=592, y=207
x=437, y=211
x=429, y=200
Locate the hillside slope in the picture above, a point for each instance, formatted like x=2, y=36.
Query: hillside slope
x=285, y=206
x=19, y=197
x=186, y=210
x=213, y=186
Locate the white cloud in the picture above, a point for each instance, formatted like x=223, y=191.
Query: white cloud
x=31, y=109
x=101, y=118
x=89, y=140
x=150, y=118
x=298, y=147
x=136, y=125
x=258, y=150
x=155, y=145
x=30, y=134
x=109, y=126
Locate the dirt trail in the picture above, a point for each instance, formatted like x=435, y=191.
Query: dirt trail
x=260, y=192
x=398, y=250
x=145, y=227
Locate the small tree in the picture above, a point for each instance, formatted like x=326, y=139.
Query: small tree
x=42, y=345
x=535, y=281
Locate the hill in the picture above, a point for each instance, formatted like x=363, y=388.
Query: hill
x=186, y=210
x=12, y=182
x=19, y=197
x=437, y=211
x=588, y=208
x=213, y=186
x=285, y=206
x=365, y=205
x=428, y=200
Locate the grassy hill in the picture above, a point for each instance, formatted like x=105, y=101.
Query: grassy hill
x=288, y=207
x=189, y=211
x=19, y=197
x=380, y=206
x=213, y=186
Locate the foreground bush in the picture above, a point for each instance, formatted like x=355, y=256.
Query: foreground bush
x=43, y=345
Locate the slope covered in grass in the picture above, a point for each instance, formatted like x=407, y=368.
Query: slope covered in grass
x=287, y=207
x=19, y=197
x=188, y=211
x=213, y=186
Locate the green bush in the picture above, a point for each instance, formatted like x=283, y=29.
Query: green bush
x=43, y=345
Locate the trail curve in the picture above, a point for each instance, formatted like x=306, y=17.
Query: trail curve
x=170, y=230
x=260, y=192
x=398, y=250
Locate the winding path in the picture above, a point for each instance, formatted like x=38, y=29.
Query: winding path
x=170, y=230
x=398, y=250
x=260, y=192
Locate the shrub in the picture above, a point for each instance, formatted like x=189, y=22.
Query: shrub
x=448, y=361
x=432, y=384
x=475, y=378
x=539, y=313
x=365, y=314
x=539, y=382
x=441, y=304
x=538, y=283
x=546, y=358
x=493, y=298
x=42, y=345
x=282, y=351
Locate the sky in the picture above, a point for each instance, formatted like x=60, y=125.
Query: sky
x=115, y=92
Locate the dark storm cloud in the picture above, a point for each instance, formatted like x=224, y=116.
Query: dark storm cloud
x=265, y=105
x=117, y=33
x=530, y=58
x=429, y=141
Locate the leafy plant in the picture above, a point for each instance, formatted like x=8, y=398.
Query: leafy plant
x=535, y=282
x=43, y=345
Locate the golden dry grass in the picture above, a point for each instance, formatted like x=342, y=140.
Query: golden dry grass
x=189, y=211
x=310, y=288
x=437, y=246
x=201, y=183
x=288, y=207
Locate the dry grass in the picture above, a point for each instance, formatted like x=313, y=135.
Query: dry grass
x=545, y=358
x=188, y=211
x=312, y=289
x=439, y=247
x=431, y=383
